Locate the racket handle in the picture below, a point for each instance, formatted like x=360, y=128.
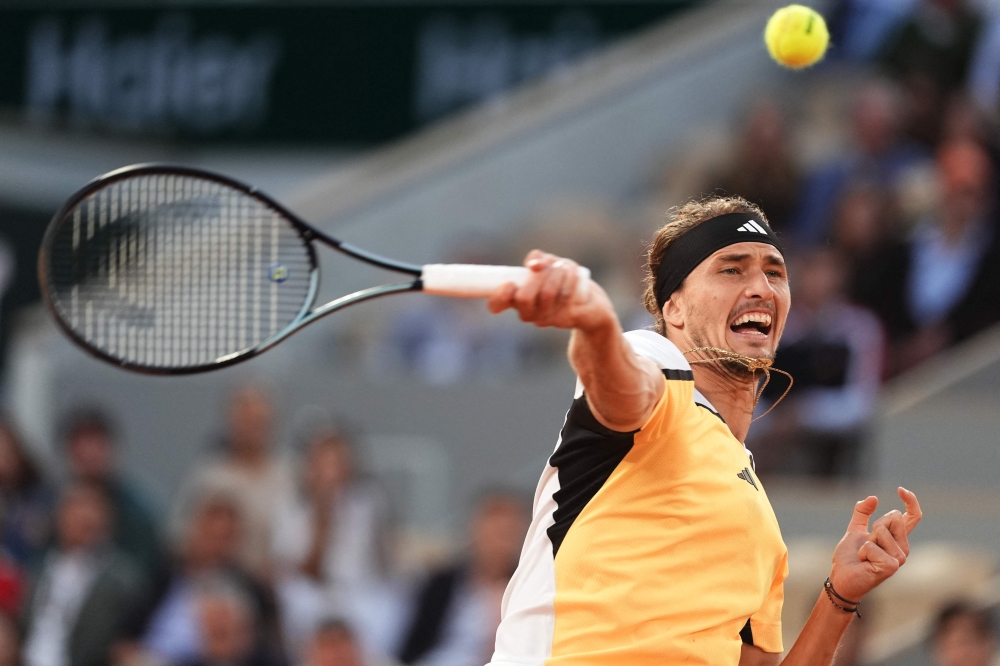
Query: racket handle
x=480, y=281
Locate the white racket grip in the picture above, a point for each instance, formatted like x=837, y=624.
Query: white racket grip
x=480, y=281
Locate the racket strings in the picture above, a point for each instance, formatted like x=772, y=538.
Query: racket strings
x=753, y=365
x=176, y=271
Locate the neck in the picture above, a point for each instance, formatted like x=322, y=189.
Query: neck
x=730, y=395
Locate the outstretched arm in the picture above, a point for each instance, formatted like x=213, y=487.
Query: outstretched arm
x=861, y=561
x=622, y=388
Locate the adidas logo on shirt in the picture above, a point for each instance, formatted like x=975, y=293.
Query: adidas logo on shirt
x=748, y=477
x=752, y=227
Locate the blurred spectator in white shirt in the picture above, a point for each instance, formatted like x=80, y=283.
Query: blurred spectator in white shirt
x=85, y=590
x=940, y=286
x=456, y=612
x=249, y=471
x=964, y=636
x=834, y=351
x=330, y=547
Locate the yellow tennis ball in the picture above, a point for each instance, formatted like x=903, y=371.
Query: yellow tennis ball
x=796, y=36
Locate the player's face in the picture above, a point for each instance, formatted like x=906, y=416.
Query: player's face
x=736, y=299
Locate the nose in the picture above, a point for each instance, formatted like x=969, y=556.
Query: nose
x=758, y=287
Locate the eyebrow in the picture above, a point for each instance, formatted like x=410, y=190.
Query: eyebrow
x=772, y=258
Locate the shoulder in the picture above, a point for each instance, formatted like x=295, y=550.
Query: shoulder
x=659, y=349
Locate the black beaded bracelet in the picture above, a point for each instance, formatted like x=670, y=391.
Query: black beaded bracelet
x=831, y=593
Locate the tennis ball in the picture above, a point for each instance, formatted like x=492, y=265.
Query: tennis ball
x=796, y=36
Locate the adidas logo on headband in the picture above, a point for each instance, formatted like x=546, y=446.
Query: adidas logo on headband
x=752, y=227
x=697, y=243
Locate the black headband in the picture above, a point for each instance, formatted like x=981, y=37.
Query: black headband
x=699, y=242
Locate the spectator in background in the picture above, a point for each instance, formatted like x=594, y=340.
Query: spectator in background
x=861, y=220
x=940, y=287
x=91, y=449
x=330, y=543
x=930, y=55
x=249, y=471
x=229, y=628
x=964, y=636
x=26, y=501
x=457, y=611
x=936, y=42
x=834, y=350
x=85, y=589
x=169, y=629
x=448, y=340
x=860, y=28
x=879, y=157
x=763, y=170
x=333, y=644
x=862, y=229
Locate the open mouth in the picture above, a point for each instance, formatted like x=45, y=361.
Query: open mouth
x=752, y=323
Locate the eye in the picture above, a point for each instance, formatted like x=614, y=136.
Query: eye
x=731, y=271
x=775, y=274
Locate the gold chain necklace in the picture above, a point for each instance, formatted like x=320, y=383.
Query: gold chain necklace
x=752, y=364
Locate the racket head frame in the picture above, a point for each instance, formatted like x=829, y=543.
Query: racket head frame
x=307, y=233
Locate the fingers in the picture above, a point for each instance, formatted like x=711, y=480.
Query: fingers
x=893, y=521
x=502, y=298
x=538, y=260
x=863, y=511
x=882, y=538
x=548, y=289
x=559, y=284
x=880, y=562
x=913, y=513
x=526, y=295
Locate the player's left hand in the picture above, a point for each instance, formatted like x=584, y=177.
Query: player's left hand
x=863, y=558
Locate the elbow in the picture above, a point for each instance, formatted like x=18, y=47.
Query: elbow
x=625, y=415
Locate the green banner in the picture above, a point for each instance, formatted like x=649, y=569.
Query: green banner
x=341, y=74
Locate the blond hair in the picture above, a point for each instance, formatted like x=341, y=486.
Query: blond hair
x=680, y=220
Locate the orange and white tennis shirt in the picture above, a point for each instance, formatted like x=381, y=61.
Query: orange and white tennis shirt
x=657, y=546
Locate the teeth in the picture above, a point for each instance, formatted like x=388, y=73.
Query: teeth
x=759, y=317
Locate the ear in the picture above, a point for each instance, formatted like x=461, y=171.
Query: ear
x=673, y=312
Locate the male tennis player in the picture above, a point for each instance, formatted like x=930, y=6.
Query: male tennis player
x=652, y=540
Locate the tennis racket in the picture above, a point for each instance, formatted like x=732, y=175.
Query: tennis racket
x=173, y=270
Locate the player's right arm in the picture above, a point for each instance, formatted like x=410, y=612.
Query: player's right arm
x=622, y=388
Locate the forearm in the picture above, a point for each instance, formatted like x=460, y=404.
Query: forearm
x=819, y=639
x=622, y=388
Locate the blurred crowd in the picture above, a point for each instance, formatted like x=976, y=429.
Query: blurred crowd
x=265, y=559
x=268, y=557
x=879, y=170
